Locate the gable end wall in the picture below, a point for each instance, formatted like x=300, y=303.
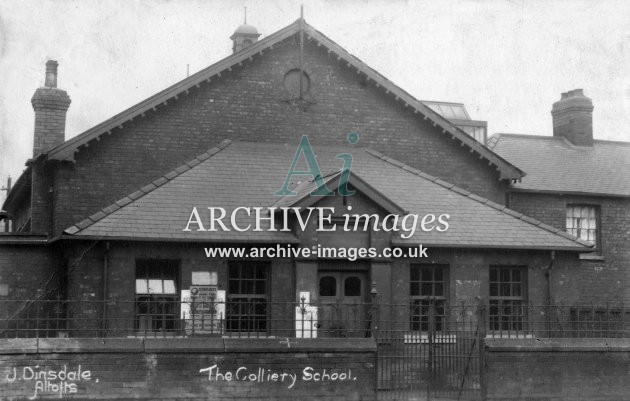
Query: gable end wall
x=250, y=103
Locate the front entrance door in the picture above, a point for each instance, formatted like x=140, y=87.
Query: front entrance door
x=342, y=300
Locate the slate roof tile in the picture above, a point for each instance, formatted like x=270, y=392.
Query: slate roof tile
x=97, y=216
x=170, y=175
x=554, y=164
x=513, y=213
x=460, y=191
x=137, y=195
x=148, y=188
x=477, y=198
x=111, y=208
x=549, y=228
x=182, y=169
x=160, y=181
x=164, y=211
x=444, y=183
x=124, y=201
x=530, y=220
x=83, y=224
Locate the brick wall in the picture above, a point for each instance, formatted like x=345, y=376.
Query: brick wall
x=175, y=369
x=25, y=268
x=601, y=280
x=555, y=370
x=27, y=272
x=250, y=103
x=467, y=276
x=85, y=280
x=50, y=106
x=42, y=187
x=468, y=272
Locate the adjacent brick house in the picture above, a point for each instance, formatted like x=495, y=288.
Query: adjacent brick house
x=579, y=184
x=106, y=211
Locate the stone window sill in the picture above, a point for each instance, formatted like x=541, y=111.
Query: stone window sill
x=592, y=256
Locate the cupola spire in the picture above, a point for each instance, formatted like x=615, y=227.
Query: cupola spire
x=244, y=35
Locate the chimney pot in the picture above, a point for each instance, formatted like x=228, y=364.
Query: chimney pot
x=50, y=105
x=51, y=74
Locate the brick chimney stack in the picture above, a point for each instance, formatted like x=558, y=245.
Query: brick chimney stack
x=50, y=105
x=572, y=118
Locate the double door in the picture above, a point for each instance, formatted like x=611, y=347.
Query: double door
x=343, y=303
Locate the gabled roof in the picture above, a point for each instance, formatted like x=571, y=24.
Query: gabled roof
x=160, y=210
x=66, y=150
x=19, y=192
x=554, y=164
x=304, y=199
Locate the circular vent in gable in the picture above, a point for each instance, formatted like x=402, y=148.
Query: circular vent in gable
x=292, y=83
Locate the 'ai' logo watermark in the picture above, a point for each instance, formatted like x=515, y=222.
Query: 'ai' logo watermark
x=304, y=148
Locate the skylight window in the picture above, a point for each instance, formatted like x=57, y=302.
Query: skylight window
x=454, y=111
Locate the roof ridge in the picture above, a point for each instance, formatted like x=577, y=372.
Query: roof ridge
x=522, y=135
x=418, y=106
x=443, y=102
x=153, y=185
x=622, y=143
x=66, y=150
x=477, y=198
x=492, y=142
x=499, y=135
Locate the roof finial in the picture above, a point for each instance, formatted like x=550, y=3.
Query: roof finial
x=244, y=35
x=302, y=11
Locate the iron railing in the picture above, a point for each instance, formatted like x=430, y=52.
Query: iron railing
x=431, y=353
x=167, y=317
x=558, y=321
x=425, y=349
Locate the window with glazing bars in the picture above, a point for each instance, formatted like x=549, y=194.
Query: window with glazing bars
x=599, y=322
x=246, y=309
x=508, y=306
x=479, y=133
x=427, y=286
x=582, y=222
x=157, y=307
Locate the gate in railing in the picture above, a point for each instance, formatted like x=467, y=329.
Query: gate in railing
x=427, y=349
x=433, y=355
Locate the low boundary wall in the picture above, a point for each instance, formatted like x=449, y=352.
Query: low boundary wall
x=558, y=369
x=187, y=369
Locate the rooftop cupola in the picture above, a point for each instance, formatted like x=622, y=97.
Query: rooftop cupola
x=572, y=118
x=50, y=105
x=244, y=36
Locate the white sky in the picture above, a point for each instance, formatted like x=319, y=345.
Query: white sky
x=508, y=61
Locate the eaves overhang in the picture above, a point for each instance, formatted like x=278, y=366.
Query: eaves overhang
x=66, y=151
